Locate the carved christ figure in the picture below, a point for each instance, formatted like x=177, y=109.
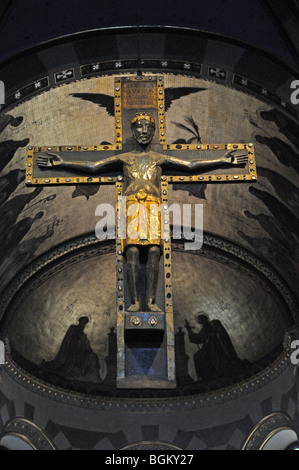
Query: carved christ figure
x=142, y=171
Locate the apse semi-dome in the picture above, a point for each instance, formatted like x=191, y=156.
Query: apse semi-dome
x=77, y=281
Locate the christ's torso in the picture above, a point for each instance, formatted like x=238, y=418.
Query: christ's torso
x=142, y=171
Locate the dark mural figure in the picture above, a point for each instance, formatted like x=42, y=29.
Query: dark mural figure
x=284, y=188
x=9, y=183
x=15, y=253
x=7, y=119
x=10, y=211
x=216, y=356
x=75, y=358
x=283, y=151
x=12, y=232
x=287, y=241
x=12, y=237
x=281, y=249
x=274, y=252
x=8, y=148
x=283, y=215
x=19, y=257
x=285, y=125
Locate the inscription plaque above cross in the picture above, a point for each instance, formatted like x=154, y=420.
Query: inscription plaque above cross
x=141, y=164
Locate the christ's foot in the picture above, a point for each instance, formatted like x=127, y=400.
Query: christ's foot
x=135, y=307
x=152, y=307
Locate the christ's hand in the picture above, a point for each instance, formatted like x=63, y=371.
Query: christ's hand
x=230, y=159
x=49, y=160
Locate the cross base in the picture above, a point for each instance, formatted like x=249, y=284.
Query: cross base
x=145, y=352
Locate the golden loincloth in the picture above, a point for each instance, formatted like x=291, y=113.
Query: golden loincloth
x=143, y=220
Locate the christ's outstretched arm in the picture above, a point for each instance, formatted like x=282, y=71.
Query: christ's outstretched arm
x=53, y=160
x=227, y=160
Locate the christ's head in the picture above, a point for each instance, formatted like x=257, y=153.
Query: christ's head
x=143, y=128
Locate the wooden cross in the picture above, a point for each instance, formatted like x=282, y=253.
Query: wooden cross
x=138, y=365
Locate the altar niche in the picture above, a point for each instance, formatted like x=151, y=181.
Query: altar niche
x=142, y=164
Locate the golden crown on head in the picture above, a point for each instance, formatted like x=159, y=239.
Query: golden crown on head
x=139, y=116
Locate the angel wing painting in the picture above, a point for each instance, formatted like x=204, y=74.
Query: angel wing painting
x=107, y=101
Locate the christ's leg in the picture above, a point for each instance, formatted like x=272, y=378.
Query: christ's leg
x=133, y=273
x=152, y=272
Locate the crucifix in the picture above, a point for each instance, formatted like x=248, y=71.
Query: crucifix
x=141, y=164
